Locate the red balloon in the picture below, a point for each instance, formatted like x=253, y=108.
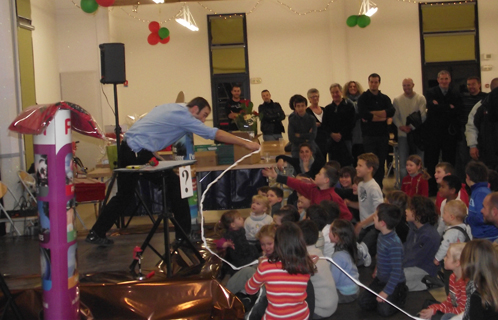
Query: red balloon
x=165, y=40
x=105, y=3
x=154, y=26
x=153, y=39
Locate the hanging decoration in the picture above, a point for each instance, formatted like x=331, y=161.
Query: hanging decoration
x=90, y=6
x=105, y=3
x=157, y=34
x=362, y=20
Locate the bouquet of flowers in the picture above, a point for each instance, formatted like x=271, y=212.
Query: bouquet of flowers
x=247, y=120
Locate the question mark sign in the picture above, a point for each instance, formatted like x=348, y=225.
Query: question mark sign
x=185, y=174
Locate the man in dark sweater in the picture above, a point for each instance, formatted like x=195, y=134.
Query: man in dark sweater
x=234, y=106
x=469, y=100
x=272, y=116
x=374, y=109
x=441, y=127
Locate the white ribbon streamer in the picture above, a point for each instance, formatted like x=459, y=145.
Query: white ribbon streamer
x=256, y=261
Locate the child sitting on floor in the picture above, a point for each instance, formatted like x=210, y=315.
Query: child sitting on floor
x=389, y=281
x=343, y=236
x=457, y=297
x=415, y=182
x=322, y=189
x=446, y=169
x=275, y=195
x=323, y=283
x=239, y=251
x=422, y=242
x=286, y=213
x=479, y=262
x=259, y=208
x=449, y=189
x=285, y=274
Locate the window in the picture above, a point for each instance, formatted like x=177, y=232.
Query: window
x=449, y=40
x=229, y=62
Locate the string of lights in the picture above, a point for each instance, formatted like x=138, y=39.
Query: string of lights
x=438, y=3
x=235, y=15
x=307, y=12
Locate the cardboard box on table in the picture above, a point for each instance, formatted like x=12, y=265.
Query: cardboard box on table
x=273, y=148
x=239, y=151
x=206, y=158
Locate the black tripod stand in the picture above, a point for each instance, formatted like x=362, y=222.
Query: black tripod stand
x=165, y=216
x=10, y=300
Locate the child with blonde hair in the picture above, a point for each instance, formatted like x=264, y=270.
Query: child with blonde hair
x=455, y=212
x=457, y=297
x=416, y=181
x=260, y=209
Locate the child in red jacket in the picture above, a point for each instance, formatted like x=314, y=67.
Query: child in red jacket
x=415, y=182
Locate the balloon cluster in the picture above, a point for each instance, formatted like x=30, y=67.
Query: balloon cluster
x=362, y=21
x=158, y=34
x=90, y=6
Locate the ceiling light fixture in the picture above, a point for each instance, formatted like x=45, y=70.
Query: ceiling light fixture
x=185, y=18
x=158, y=1
x=368, y=8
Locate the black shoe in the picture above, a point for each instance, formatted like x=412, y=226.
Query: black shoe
x=93, y=238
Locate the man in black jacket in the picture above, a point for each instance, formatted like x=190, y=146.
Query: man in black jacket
x=272, y=116
x=441, y=128
x=374, y=109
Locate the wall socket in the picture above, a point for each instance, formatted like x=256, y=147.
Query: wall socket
x=256, y=80
x=487, y=68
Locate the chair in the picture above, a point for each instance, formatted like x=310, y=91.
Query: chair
x=29, y=185
x=3, y=191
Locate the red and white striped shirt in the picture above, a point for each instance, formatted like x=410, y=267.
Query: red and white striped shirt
x=286, y=293
x=455, y=302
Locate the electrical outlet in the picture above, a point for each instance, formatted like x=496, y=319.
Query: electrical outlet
x=256, y=80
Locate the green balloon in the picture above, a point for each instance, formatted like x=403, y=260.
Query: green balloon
x=163, y=33
x=352, y=21
x=89, y=6
x=363, y=21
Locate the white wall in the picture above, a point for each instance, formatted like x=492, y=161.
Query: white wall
x=45, y=42
x=10, y=142
x=488, y=24
x=290, y=53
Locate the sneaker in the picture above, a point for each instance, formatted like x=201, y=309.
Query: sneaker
x=93, y=238
x=365, y=256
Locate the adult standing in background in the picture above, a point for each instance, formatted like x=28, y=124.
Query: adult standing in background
x=472, y=131
x=272, y=116
x=406, y=104
x=234, y=106
x=352, y=91
x=302, y=127
x=338, y=120
x=441, y=126
x=469, y=100
x=316, y=111
x=374, y=109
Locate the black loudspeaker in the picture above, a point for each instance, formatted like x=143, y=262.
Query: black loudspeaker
x=112, y=63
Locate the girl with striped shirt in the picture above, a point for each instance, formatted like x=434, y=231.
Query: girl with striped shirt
x=285, y=274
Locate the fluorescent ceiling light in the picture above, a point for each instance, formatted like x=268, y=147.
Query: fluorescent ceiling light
x=158, y=1
x=185, y=18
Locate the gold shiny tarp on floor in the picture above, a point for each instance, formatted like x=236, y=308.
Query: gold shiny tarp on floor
x=116, y=295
